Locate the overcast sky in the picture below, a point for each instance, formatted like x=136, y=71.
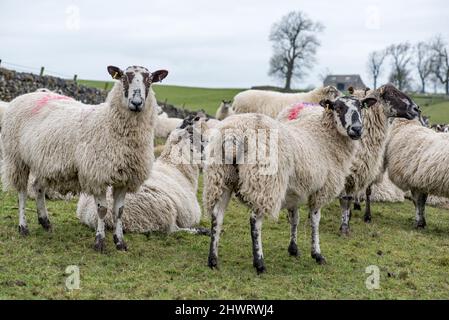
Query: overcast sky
x=203, y=42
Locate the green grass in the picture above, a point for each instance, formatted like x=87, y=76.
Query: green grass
x=186, y=97
x=413, y=264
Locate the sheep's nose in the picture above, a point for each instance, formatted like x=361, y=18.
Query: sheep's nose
x=357, y=130
x=415, y=109
x=136, y=102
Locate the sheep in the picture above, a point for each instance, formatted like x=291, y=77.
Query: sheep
x=166, y=201
x=164, y=126
x=224, y=110
x=368, y=162
x=73, y=147
x=417, y=159
x=271, y=103
x=308, y=162
x=383, y=190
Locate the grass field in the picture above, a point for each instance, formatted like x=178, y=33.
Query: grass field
x=413, y=264
x=186, y=97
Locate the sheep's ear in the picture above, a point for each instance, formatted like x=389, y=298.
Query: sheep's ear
x=351, y=90
x=368, y=102
x=327, y=104
x=115, y=72
x=159, y=75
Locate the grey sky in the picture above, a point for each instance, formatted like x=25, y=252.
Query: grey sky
x=204, y=43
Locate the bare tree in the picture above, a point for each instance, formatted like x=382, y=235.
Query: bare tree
x=423, y=63
x=294, y=44
x=375, y=62
x=401, y=58
x=440, y=62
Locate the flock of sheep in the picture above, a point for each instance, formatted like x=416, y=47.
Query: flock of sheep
x=271, y=150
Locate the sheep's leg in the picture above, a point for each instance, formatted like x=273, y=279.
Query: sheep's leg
x=255, y=222
x=345, y=205
x=194, y=230
x=217, y=216
x=102, y=210
x=419, y=200
x=293, y=218
x=23, y=227
x=367, y=217
x=42, y=214
x=357, y=205
x=315, y=215
x=117, y=212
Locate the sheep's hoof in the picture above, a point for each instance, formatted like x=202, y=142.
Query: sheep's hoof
x=45, y=223
x=23, y=230
x=357, y=206
x=120, y=244
x=260, y=266
x=212, y=262
x=344, y=230
x=100, y=245
x=319, y=258
x=421, y=224
x=293, y=250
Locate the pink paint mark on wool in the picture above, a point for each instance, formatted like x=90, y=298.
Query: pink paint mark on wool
x=297, y=108
x=42, y=102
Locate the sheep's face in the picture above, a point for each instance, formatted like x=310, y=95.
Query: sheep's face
x=397, y=104
x=348, y=114
x=136, y=82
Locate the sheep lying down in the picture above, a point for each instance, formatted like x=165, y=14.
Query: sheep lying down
x=166, y=201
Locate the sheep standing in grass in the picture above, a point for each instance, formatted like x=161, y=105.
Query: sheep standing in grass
x=368, y=162
x=271, y=103
x=73, y=147
x=418, y=160
x=167, y=201
x=224, y=110
x=308, y=162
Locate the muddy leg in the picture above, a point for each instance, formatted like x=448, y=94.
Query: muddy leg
x=23, y=227
x=345, y=205
x=293, y=218
x=102, y=210
x=255, y=222
x=42, y=214
x=419, y=199
x=117, y=212
x=217, y=216
x=315, y=215
x=367, y=216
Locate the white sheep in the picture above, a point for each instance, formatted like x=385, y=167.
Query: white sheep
x=73, y=147
x=418, y=160
x=271, y=103
x=167, y=201
x=224, y=110
x=297, y=161
x=164, y=126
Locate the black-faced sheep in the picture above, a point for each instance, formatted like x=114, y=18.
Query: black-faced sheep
x=271, y=165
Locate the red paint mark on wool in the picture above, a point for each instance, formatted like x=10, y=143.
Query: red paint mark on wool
x=42, y=102
x=297, y=108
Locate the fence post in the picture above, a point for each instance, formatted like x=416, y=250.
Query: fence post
x=75, y=77
x=106, y=85
x=42, y=71
x=0, y=62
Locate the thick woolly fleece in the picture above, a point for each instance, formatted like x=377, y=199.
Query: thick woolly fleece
x=418, y=158
x=73, y=147
x=271, y=103
x=166, y=202
x=314, y=175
